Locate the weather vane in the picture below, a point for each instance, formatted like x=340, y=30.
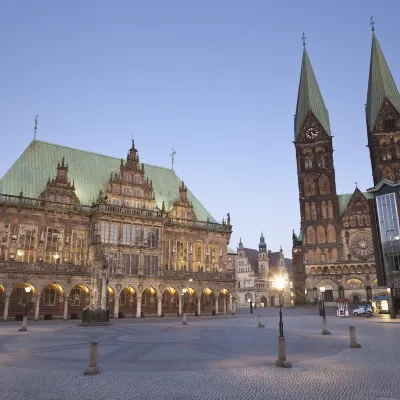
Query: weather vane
x=173, y=158
x=303, y=38
x=35, y=129
x=372, y=23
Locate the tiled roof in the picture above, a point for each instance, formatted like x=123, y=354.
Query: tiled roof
x=252, y=254
x=89, y=171
x=381, y=85
x=345, y=198
x=309, y=98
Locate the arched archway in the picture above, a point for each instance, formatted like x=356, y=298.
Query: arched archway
x=189, y=300
x=51, y=301
x=170, y=301
x=127, y=302
x=355, y=299
x=21, y=300
x=78, y=300
x=207, y=301
x=263, y=301
x=2, y=300
x=223, y=301
x=149, y=301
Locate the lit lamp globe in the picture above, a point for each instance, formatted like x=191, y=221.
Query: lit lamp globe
x=28, y=289
x=279, y=283
x=184, y=291
x=322, y=289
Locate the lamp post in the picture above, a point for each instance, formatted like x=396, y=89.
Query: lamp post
x=281, y=361
x=25, y=318
x=325, y=330
x=184, y=322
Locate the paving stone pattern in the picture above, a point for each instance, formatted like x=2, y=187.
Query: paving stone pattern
x=211, y=358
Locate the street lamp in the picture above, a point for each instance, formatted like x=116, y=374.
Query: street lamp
x=25, y=318
x=281, y=361
x=184, y=322
x=325, y=330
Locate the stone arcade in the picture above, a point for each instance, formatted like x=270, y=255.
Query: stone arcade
x=69, y=217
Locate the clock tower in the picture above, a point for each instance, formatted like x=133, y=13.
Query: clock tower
x=316, y=173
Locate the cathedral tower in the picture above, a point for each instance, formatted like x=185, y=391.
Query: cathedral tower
x=383, y=118
x=316, y=172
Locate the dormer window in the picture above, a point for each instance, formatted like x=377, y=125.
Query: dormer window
x=137, y=179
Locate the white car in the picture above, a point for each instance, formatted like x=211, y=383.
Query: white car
x=363, y=309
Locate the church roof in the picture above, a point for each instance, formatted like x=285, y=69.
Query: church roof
x=252, y=254
x=229, y=250
x=345, y=198
x=90, y=173
x=309, y=98
x=381, y=85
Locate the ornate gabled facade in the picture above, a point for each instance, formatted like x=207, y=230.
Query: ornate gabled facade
x=334, y=248
x=137, y=224
x=256, y=271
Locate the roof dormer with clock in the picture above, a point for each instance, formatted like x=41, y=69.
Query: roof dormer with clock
x=316, y=173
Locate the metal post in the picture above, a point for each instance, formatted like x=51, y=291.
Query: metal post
x=280, y=316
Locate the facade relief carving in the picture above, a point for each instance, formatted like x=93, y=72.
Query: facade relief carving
x=321, y=235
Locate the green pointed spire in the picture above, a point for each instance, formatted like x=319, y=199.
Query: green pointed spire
x=262, y=246
x=381, y=85
x=309, y=99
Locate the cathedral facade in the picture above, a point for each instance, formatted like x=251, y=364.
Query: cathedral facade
x=335, y=247
x=69, y=218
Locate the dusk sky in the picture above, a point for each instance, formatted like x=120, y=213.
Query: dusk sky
x=215, y=80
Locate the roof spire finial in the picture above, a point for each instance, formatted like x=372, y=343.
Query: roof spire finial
x=372, y=23
x=35, y=129
x=173, y=158
x=356, y=183
x=303, y=38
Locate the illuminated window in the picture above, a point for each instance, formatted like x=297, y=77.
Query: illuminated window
x=112, y=261
x=75, y=297
x=54, y=241
x=78, y=247
x=26, y=243
x=130, y=264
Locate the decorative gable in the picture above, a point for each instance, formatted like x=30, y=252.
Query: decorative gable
x=182, y=208
x=60, y=189
x=356, y=213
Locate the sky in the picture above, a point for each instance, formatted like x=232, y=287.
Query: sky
x=215, y=80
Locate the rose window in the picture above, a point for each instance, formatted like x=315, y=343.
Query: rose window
x=361, y=245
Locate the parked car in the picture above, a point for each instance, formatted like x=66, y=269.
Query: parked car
x=363, y=309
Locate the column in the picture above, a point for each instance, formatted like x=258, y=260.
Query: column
x=139, y=307
x=37, y=304
x=199, y=306
x=180, y=305
x=216, y=304
x=225, y=301
x=159, y=306
x=116, y=306
x=65, y=315
x=230, y=304
x=6, y=304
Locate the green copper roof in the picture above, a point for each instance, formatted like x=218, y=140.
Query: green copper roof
x=309, y=99
x=89, y=171
x=345, y=198
x=229, y=250
x=380, y=85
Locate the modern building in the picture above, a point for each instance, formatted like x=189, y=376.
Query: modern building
x=68, y=217
x=256, y=271
x=335, y=247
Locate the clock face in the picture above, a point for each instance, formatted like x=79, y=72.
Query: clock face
x=312, y=133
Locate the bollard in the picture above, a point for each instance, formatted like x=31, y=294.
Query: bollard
x=260, y=324
x=24, y=325
x=93, y=367
x=353, y=340
x=184, y=322
x=325, y=330
x=281, y=361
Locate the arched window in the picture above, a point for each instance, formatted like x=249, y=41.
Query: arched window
x=330, y=209
x=321, y=235
x=324, y=185
x=324, y=211
x=311, y=238
x=331, y=234
x=313, y=211
x=309, y=186
x=307, y=211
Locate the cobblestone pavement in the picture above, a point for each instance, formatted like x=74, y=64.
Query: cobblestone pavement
x=211, y=358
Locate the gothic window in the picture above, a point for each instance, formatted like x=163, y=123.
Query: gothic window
x=360, y=220
x=313, y=211
x=324, y=185
x=112, y=261
x=387, y=173
x=321, y=236
x=308, y=162
x=309, y=186
x=49, y=297
x=324, y=211
x=331, y=233
x=330, y=209
x=181, y=254
x=311, y=239
x=78, y=247
x=26, y=243
x=317, y=256
x=127, y=177
x=389, y=124
x=307, y=211
x=310, y=255
x=53, y=245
